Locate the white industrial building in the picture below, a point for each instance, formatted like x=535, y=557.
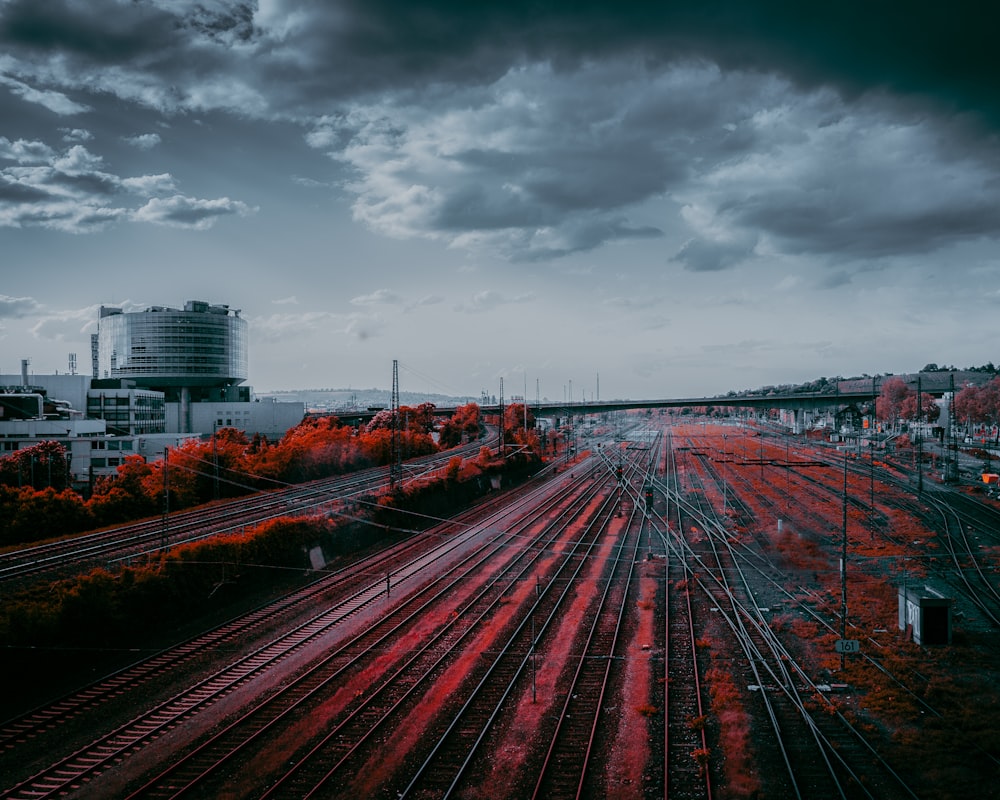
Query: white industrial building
x=158, y=377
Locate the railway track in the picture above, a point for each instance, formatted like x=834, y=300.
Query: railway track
x=951, y=567
x=150, y=537
x=96, y=758
x=686, y=771
x=454, y=760
x=428, y=691
x=969, y=567
x=578, y=734
x=820, y=759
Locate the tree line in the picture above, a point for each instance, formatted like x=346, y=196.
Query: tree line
x=973, y=406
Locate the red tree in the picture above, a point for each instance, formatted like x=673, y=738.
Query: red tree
x=979, y=404
x=929, y=410
x=891, y=398
x=465, y=421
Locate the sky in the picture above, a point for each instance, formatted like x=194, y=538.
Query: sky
x=587, y=199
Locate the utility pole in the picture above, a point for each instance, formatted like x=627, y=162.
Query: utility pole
x=500, y=447
x=215, y=457
x=395, y=463
x=788, y=466
x=843, y=568
x=166, y=500
x=725, y=500
x=951, y=459
x=920, y=444
x=871, y=453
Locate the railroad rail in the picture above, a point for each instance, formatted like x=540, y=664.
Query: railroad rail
x=92, y=760
x=150, y=537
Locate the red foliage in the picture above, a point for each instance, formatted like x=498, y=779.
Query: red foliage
x=979, y=404
x=224, y=465
x=40, y=466
x=465, y=422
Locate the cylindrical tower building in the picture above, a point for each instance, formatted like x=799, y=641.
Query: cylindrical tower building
x=200, y=347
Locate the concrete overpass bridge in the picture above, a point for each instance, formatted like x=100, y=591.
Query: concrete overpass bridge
x=798, y=403
x=801, y=401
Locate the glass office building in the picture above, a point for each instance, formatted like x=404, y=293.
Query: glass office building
x=202, y=346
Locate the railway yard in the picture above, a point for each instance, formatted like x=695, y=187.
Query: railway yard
x=663, y=615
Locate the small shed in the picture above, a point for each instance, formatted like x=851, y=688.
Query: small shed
x=926, y=614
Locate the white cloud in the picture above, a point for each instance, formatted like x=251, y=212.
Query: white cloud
x=279, y=327
x=76, y=135
x=362, y=327
x=25, y=152
x=378, y=297
x=490, y=299
x=638, y=303
x=147, y=185
x=143, y=141
x=17, y=307
x=72, y=191
x=71, y=325
x=189, y=212
x=56, y=102
x=427, y=300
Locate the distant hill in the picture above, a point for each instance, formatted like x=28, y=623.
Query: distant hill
x=933, y=382
x=346, y=399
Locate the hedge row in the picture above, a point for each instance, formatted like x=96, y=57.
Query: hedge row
x=144, y=602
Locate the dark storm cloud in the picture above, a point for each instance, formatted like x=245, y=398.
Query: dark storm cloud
x=13, y=191
x=879, y=233
x=172, y=57
x=700, y=255
x=580, y=235
x=541, y=163
x=872, y=185
x=925, y=48
x=321, y=51
x=97, y=30
x=539, y=129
